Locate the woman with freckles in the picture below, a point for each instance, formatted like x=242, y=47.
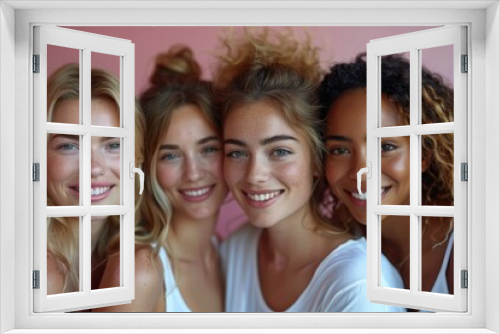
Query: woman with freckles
x=63, y=176
x=177, y=258
x=343, y=97
x=288, y=258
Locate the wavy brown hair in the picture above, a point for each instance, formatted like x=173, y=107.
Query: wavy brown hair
x=266, y=65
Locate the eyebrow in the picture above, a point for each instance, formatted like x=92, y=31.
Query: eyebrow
x=339, y=138
x=72, y=137
x=263, y=142
x=200, y=142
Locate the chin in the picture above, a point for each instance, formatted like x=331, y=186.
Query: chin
x=262, y=222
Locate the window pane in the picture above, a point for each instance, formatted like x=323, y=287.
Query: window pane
x=105, y=170
x=437, y=85
x=63, y=170
x=395, y=86
x=63, y=255
x=437, y=169
x=395, y=170
x=105, y=252
x=63, y=85
x=105, y=90
x=437, y=248
x=395, y=243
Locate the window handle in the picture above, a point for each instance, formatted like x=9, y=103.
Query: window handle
x=368, y=171
x=138, y=171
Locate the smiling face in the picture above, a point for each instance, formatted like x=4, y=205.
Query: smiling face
x=346, y=153
x=63, y=184
x=189, y=165
x=267, y=164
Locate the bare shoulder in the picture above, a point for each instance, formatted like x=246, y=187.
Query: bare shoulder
x=148, y=267
x=148, y=281
x=55, y=275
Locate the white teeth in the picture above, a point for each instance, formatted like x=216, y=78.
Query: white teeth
x=263, y=197
x=195, y=193
x=363, y=196
x=98, y=190
x=359, y=196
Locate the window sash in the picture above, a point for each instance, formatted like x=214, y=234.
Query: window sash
x=86, y=43
x=413, y=43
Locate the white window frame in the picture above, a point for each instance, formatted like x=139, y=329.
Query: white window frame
x=85, y=44
x=16, y=20
x=414, y=43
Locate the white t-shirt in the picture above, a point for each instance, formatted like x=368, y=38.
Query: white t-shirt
x=338, y=284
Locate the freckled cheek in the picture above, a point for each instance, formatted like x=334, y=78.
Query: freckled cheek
x=167, y=176
x=233, y=173
x=114, y=165
x=296, y=175
x=215, y=167
x=62, y=169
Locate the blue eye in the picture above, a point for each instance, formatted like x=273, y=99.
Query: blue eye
x=114, y=146
x=68, y=147
x=236, y=154
x=210, y=150
x=281, y=153
x=169, y=156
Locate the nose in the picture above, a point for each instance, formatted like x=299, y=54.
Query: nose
x=98, y=164
x=193, y=170
x=256, y=171
x=358, y=162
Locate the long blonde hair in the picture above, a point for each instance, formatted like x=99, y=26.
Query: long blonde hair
x=274, y=66
x=175, y=82
x=62, y=241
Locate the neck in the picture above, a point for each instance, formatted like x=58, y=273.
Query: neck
x=97, y=227
x=191, y=238
x=293, y=239
x=396, y=239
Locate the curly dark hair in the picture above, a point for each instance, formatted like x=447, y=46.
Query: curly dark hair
x=437, y=107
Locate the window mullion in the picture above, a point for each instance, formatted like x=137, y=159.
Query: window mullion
x=85, y=167
x=414, y=171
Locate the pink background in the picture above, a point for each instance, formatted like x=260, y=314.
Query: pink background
x=336, y=44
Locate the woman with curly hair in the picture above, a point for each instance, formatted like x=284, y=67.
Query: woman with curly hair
x=177, y=259
x=343, y=100
x=63, y=175
x=288, y=258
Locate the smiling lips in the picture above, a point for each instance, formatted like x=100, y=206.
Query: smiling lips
x=360, y=199
x=197, y=194
x=98, y=191
x=262, y=199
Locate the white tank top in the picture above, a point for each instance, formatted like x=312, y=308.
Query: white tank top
x=173, y=297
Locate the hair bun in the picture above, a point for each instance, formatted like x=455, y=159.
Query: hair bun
x=175, y=65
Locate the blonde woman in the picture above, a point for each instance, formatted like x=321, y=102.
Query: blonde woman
x=288, y=258
x=177, y=259
x=63, y=175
